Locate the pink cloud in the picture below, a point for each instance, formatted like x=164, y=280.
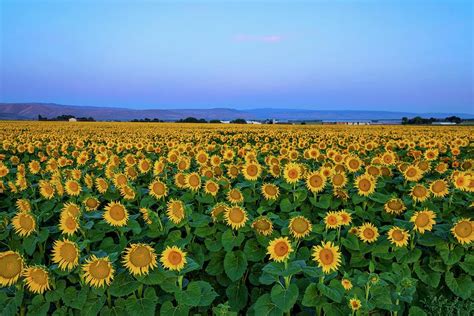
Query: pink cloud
x=258, y=38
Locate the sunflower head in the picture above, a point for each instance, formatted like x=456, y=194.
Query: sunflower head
x=394, y=206
x=24, y=224
x=11, y=266
x=115, y=214
x=68, y=224
x=439, y=188
x=173, y=258
x=332, y=220
x=270, y=191
x=365, y=184
x=251, y=171
x=327, y=256
x=139, y=259
x=158, y=189
x=368, y=233
x=218, y=211
x=235, y=196
x=91, y=203
x=236, y=217
x=176, y=211
x=300, y=227
x=315, y=181
x=65, y=254
x=263, y=226
x=292, y=172
x=419, y=193
x=98, y=272
x=279, y=249
x=346, y=284
x=345, y=217
x=193, y=181
x=36, y=279
x=355, y=304
x=463, y=231
x=423, y=220
x=398, y=236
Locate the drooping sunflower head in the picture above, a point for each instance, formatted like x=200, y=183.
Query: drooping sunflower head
x=270, y=191
x=327, y=256
x=292, y=172
x=11, y=266
x=68, y=224
x=115, y=214
x=24, y=224
x=158, y=189
x=263, y=226
x=175, y=211
x=394, y=206
x=439, y=188
x=46, y=189
x=315, y=181
x=65, y=254
x=423, y=220
x=398, y=236
x=300, y=227
x=463, y=231
x=139, y=259
x=368, y=233
x=365, y=184
x=173, y=258
x=419, y=193
x=101, y=185
x=218, y=210
x=345, y=217
x=23, y=205
x=98, y=272
x=72, y=209
x=145, y=212
x=332, y=220
x=279, y=249
x=236, y=217
x=37, y=279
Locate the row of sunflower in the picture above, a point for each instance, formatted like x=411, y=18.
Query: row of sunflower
x=254, y=220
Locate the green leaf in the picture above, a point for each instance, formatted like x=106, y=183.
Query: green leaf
x=230, y=241
x=253, y=251
x=428, y=276
x=449, y=256
x=123, y=285
x=169, y=310
x=235, y=264
x=350, y=242
x=324, y=201
x=284, y=298
x=238, y=295
x=265, y=307
x=461, y=286
x=93, y=306
x=285, y=205
x=140, y=306
x=468, y=264
x=198, y=293
x=75, y=298
x=416, y=311
x=311, y=297
x=330, y=292
x=29, y=244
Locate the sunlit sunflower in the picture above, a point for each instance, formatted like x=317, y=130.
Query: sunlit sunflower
x=398, y=236
x=235, y=196
x=327, y=256
x=315, y=181
x=251, y=171
x=413, y=173
x=339, y=180
x=91, y=203
x=419, y=193
x=300, y=227
x=211, y=187
x=11, y=266
x=463, y=230
x=193, y=181
x=218, y=210
x=46, y=189
x=423, y=220
x=345, y=217
x=236, y=217
x=175, y=211
x=73, y=187
x=355, y=304
x=439, y=188
x=461, y=181
x=346, y=284
x=353, y=164
x=394, y=206
x=279, y=249
x=139, y=259
x=65, y=254
x=158, y=189
x=145, y=212
x=68, y=224
x=332, y=220
x=115, y=214
x=365, y=185
x=120, y=180
x=23, y=205
x=101, y=185
x=24, y=224
x=368, y=233
x=71, y=208
x=263, y=226
x=292, y=173
x=98, y=272
x=270, y=191
x=173, y=258
x=37, y=279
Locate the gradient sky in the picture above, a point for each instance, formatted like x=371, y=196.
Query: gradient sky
x=406, y=55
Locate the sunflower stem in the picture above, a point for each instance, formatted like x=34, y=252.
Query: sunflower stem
x=367, y=290
x=180, y=281
x=109, y=299
x=140, y=291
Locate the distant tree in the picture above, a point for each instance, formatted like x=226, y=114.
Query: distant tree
x=453, y=119
x=42, y=118
x=404, y=120
x=303, y=123
x=239, y=121
x=215, y=121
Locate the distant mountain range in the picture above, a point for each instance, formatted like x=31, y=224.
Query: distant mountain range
x=29, y=111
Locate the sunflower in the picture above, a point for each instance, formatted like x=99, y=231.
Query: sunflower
x=146, y=215
x=235, y=196
x=327, y=256
x=345, y=217
x=413, y=173
x=65, y=254
x=37, y=279
x=346, y=284
x=315, y=181
x=419, y=193
x=251, y=171
x=73, y=188
x=355, y=304
x=368, y=232
x=365, y=184
x=236, y=217
x=439, y=188
x=339, y=180
x=139, y=259
x=398, y=236
x=193, y=181
x=115, y=214
x=91, y=203
x=463, y=230
x=11, y=266
x=292, y=172
x=72, y=209
x=211, y=187
x=353, y=164
x=68, y=224
x=23, y=205
x=279, y=249
x=394, y=206
x=46, y=189
x=158, y=189
x=120, y=180
x=300, y=227
x=175, y=211
x=101, y=185
x=263, y=226
x=98, y=271
x=270, y=191
x=173, y=258
x=332, y=220
x=217, y=210
x=24, y=224
x=423, y=220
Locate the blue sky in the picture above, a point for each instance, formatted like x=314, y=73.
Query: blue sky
x=360, y=55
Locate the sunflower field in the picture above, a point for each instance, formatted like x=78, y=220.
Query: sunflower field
x=221, y=219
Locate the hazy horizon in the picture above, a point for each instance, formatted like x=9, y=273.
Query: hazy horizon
x=398, y=56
